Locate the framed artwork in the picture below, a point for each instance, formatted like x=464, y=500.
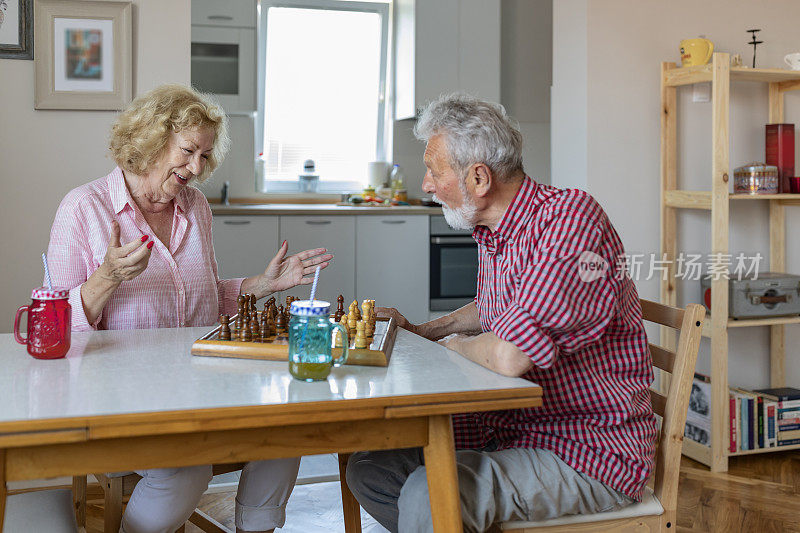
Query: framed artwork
x=83, y=55
x=16, y=29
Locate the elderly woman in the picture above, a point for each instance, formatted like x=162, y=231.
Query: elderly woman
x=165, y=275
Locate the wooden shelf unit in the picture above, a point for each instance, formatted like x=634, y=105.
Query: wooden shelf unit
x=717, y=201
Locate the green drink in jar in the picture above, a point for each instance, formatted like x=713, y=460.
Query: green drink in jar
x=310, y=340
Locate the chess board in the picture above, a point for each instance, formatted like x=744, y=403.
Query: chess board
x=276, y=348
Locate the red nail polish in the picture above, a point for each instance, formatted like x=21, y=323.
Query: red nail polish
x=150, y=244
x=145, y=237
x=283, y=243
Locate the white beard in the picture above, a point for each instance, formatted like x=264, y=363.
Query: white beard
x=460, y=217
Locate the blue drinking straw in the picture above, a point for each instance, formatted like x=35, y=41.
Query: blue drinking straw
x=313, y=292
x=47, y=272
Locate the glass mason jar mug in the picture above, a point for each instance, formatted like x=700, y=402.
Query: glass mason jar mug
x=49, y=323
x=310, y=339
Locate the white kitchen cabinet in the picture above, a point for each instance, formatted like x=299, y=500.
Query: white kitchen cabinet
x=234, y=13
x=392, y=263
x=244, y=245
x=445, y=46
x=337, y=234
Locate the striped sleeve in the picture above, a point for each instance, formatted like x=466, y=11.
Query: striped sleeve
x=70, y=260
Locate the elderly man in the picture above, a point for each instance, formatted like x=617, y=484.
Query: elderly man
x=542, y=314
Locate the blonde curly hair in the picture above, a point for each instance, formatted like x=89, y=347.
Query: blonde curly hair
x=142, y=131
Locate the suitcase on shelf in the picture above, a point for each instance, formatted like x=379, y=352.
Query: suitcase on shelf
x=771, y=294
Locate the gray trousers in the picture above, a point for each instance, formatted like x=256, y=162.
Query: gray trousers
x=495, y=486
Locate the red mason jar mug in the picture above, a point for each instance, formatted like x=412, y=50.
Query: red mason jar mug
x=49, y=323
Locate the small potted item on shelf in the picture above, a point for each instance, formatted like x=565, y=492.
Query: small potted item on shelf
x=755, y=178
x=768, y=294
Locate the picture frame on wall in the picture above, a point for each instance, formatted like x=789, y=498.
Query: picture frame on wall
x=83, y=55
x=16, y=29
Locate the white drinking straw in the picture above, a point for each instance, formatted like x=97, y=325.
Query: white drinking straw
x=313, y=292
x=314, y=285
x=47, y=272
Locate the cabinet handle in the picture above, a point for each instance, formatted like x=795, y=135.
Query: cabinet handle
x=236, y=222
x=393, y=221
x=318, y=222
x=220, y=17
x=452, y=240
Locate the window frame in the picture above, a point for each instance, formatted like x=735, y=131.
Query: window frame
x=382, y=9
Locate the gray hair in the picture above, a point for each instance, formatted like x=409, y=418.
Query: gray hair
x=476, y=131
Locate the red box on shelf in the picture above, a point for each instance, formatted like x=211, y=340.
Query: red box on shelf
x=780, y=152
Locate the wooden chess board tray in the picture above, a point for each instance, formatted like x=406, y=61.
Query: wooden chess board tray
x=277, y=347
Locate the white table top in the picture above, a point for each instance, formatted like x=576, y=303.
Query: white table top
x=141, y=371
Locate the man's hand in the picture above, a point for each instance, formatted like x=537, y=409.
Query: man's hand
x=391, y=312
x=452, y=341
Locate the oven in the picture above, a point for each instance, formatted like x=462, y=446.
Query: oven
x=454, y=266
x=223, y=52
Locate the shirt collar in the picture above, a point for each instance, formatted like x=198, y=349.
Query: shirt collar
x=120, y=196
x=517, y=215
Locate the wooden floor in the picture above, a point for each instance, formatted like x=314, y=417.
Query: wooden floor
x=759, y=493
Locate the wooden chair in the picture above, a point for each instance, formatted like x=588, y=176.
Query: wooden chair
x=657, y=510
x=117, y=490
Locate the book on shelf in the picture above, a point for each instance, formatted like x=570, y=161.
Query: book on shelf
x=780, y=394
x=698, y=414
x=757, y=419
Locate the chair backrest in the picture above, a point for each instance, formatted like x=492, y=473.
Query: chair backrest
x=672, y=407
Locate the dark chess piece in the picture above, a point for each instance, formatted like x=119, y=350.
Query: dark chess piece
x=225, y=329
x=339, y=308
x=255, y=333
x=245, y=335
x=273, y=330
x=280, y=321
x=264, y=327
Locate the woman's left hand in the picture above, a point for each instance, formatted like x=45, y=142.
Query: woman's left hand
x=286, y=272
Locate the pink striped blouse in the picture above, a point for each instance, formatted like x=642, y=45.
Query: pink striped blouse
x=180, y=286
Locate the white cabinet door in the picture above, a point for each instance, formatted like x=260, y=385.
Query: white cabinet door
x=244, y=245
x=392, y=263
x=237, y=13
x=442, y=47
x=337, y=234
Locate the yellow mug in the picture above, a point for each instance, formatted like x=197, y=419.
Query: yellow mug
x=696, y=52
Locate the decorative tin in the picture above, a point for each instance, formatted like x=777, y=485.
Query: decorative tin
x=755, y=178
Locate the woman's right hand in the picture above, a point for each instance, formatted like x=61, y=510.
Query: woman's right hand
x=125, y=262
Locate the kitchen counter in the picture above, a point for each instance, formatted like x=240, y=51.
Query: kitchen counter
x=320, y=209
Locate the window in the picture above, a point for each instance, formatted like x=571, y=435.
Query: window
x=322, y=79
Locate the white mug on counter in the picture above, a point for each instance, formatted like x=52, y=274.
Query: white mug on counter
x=378, y=173
x=793, y=60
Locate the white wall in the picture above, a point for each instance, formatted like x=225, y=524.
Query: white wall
x=626, y=40
x=568, y=105
x=47, y=153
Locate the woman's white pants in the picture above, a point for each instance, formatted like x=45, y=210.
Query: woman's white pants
x=166, y=497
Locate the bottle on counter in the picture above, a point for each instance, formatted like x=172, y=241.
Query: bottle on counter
x=396, y=179
x=260, y=171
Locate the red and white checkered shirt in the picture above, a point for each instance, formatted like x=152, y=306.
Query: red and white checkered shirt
x=585, y=338
x=180, y=286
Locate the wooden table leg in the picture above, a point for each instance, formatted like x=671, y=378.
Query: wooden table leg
x=2, y=487
x=79, y=499
x=440, y=466
x=350, y=507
